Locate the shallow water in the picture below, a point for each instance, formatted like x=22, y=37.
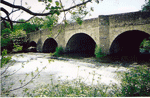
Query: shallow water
x=69, y=69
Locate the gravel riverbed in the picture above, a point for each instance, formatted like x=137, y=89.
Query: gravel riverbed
x=62, y=68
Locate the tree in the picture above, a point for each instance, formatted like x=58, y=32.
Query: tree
x=37, y=21
x=49, y=22
x=5, y=25
x=146, y=7
x=6, y=42
x=56, y=9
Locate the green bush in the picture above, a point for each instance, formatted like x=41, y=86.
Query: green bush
x=17, y=48
x=145, y=45
x=4, y=58
x=5, y=42
x=5, y=32
x=29, y=27
x=98, y=52
x=59, y=51
x=136, y=82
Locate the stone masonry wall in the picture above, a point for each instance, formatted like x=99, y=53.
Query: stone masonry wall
x=103, y=29
x=128, y=21
x=89, y=27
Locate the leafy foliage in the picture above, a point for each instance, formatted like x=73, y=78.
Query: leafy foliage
x=17, y=48
x=98, y=52
x=145, y=45
x=17, y=34
x=49, y=22
x=146, y=7
x=59, y=51
x=37, y=21
x=29, y=27
x=5, y=40
x=5, y=33
x=79, y=15
x=136, y=82
x=4, y=25
x=4, y=59
x=19, y=26
x=79, y=20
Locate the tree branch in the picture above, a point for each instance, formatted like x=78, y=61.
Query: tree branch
x=11, y=63
x=6, y=12
x=40, y=14
x=13, y=9
x=30, y=80
x=12, y=12
x=16, y=21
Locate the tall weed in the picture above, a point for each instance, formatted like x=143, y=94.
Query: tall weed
x=98, y=52
x=59, y=51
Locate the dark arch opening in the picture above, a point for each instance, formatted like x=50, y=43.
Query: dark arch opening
x=32, y=47
x=32, y=43
x=128, y=43
x=49, y=45
x=81, y=44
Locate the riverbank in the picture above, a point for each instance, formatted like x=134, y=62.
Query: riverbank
x=90, y=70
x=70, y=69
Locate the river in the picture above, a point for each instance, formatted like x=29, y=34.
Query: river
x=62, y=68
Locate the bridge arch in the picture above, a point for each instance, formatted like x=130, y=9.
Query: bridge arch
x=81, y=43
x=49, y=45
x=128, y=42
x=33, y=44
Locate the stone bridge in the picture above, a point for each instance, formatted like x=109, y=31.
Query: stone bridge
x=119, y=33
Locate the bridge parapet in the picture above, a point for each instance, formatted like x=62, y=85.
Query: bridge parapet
x=129, y=19
x=86, y=23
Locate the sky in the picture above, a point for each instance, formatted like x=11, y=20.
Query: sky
x=105, y=7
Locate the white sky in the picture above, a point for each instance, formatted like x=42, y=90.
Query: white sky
x=105, y=7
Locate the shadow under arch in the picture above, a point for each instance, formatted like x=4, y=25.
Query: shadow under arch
x=49, y=45
x=33, y=44
x=82, y=44
x=127, y=43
